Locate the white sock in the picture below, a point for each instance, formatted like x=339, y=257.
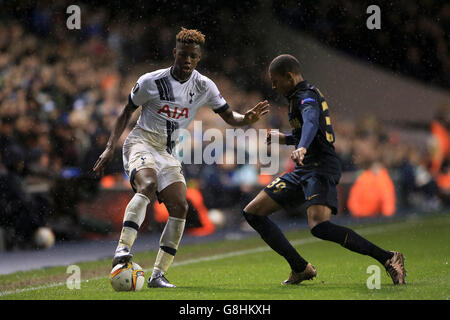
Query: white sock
x=170, y=239
x=132, y=220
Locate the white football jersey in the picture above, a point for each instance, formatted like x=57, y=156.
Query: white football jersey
x=168, y=104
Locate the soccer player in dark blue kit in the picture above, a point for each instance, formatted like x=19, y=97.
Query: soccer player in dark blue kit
x=312, y=182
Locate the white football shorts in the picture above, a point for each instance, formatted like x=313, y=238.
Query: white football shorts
x=145, y=149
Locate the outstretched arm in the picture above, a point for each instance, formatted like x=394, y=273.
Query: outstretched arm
x=119, y=127
x=236, y=119
x=309, y=130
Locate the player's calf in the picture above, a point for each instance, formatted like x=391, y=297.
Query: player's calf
x=168, y=246
x=350, y=240
x=274, y=237
x=133, y=218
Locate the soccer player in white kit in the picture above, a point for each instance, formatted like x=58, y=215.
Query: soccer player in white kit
x=170, y=99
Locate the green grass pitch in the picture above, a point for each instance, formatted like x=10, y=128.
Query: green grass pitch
x=247, y=269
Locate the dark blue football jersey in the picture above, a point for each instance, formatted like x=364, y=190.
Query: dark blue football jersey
x=306, y=102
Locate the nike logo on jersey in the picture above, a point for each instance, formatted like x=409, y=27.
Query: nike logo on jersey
x=175, y=114
x=313, y=196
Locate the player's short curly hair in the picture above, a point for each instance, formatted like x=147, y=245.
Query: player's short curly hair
x=285, y=63
x=190, y=36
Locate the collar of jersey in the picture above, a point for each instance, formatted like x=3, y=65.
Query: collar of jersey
x=302, y=85
x=171, y=74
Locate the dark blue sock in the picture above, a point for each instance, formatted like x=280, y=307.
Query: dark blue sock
x=273, y=236
x=350, y=239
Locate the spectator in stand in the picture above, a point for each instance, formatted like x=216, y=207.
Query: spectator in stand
x=373, y=191
x=418, y=188
x=440, y=143
x=22, y=213
x=443, y=181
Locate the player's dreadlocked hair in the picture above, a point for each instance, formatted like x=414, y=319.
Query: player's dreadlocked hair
x=190, y=36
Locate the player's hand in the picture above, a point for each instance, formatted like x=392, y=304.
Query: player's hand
x=255, y=113
x=298, y=155
x=101, y=162
x=271, y=134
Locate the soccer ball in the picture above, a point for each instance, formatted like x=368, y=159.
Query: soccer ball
x=217, y=217
x=44, y=238
x=127, y=277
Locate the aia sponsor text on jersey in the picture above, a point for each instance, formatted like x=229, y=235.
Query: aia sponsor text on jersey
x=175, y=114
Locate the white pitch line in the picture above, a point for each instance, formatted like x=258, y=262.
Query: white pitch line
x=365, y=231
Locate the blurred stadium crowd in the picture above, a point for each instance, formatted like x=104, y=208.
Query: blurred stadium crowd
x=60, y=96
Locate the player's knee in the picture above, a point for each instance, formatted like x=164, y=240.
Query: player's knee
x=256, y=208
x=247, y=209
x=251, y=218
x=316, y=226
x=247, y=215
x=317, y=214
x=316, y=232
x=184, y=206
x=178, y=208
x=147, y=187
x=313, y=222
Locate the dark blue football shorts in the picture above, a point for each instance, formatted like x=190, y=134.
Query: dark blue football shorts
x=292, y=190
